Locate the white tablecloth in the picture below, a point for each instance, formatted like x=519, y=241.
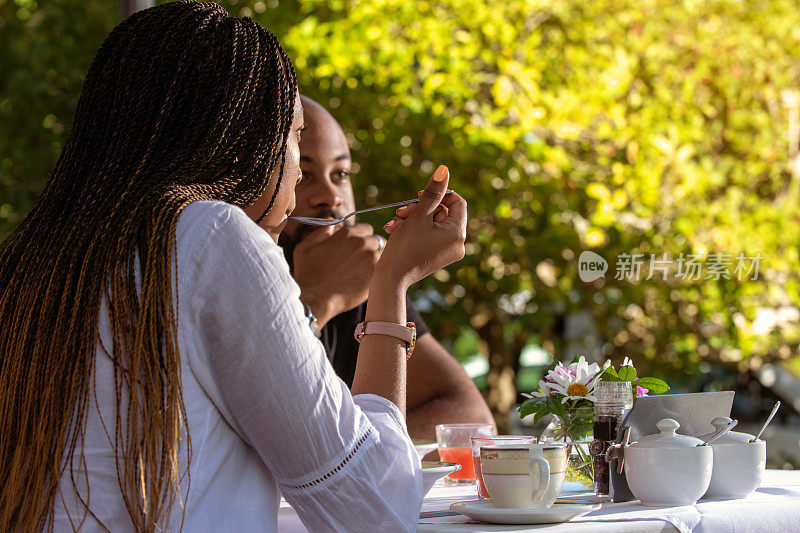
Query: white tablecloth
x=774, y=507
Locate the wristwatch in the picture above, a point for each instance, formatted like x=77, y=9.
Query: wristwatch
x=312, y=320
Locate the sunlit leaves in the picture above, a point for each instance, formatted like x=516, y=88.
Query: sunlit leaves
x=620, y=126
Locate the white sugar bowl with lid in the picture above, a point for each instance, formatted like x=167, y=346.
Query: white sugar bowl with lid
x=668, y=469
x=738, y=463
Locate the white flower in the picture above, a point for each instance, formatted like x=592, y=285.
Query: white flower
x=592, y=369
x=627, y=362
x=607, y=364
x=574, y=382
x=544, y=387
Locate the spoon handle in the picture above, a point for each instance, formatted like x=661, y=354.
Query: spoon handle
x=385, y=206
x=393, y=204
x=331, y=222
x=769, y=419
x=721, y=432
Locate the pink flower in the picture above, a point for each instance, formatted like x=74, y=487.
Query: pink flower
x=559, y=370
x=641, y=391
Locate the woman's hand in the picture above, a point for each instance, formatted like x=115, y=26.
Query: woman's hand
x=425, y=236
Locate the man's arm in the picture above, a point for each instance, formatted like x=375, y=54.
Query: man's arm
x=439, y=391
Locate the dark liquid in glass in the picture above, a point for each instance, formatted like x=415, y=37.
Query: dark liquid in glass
x=605, y=430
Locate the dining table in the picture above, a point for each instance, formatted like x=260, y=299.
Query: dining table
x=773, y=507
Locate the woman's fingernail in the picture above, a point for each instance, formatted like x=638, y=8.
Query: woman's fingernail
x=419, y=194
x=389, y=224
x=441, y=173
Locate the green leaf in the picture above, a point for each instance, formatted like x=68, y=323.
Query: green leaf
x=627, y=373
x=654, y=385
x=531, y=406
x=610, y=375
x=556, y=407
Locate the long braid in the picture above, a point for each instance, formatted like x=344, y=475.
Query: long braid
x=181, y=103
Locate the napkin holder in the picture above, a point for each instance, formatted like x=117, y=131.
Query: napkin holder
x=694, y=412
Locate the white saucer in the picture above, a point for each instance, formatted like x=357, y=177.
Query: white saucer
x=485, y=511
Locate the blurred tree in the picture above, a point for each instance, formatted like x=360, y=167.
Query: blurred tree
x=619, y=126
x=625, y=127
x=46, y=51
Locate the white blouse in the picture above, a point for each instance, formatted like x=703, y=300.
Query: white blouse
x=266, y=412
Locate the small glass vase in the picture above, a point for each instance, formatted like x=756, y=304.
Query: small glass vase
x=574, y=429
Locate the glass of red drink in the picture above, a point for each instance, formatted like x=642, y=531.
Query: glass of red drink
x=455, y=446
x=478, y=442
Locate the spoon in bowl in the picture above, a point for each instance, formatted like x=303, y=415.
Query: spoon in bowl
x=769, y=419
x=720, y=432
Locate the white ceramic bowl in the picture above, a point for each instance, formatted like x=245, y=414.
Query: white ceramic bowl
x=668, y=469
x=738, y=469
x=666, y=477
x=738, y=463
x=432, y=471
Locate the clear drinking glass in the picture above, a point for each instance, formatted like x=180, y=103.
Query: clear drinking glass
x=455, y=447
x=614, y=399
x=477, y=442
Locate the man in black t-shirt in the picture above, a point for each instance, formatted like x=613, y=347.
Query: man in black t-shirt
x=333, y=266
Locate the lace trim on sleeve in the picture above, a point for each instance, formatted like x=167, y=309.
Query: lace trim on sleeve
x=338, y=468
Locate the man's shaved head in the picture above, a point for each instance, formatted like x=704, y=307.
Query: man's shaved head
x=324, y=138
x=325, y=189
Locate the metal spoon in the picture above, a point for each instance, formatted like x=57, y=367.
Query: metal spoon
x=720, y=432
x=769, y=419
x=331, y=221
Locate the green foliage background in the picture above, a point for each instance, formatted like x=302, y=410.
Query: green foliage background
x=617, y=126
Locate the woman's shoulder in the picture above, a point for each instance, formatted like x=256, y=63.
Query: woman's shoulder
x=213, y=229
x=211, y=220
x=211, y=215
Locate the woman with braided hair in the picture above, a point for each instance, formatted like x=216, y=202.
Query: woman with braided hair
x=156, y=367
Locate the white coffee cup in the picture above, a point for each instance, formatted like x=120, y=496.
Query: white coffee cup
x=523, y=476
